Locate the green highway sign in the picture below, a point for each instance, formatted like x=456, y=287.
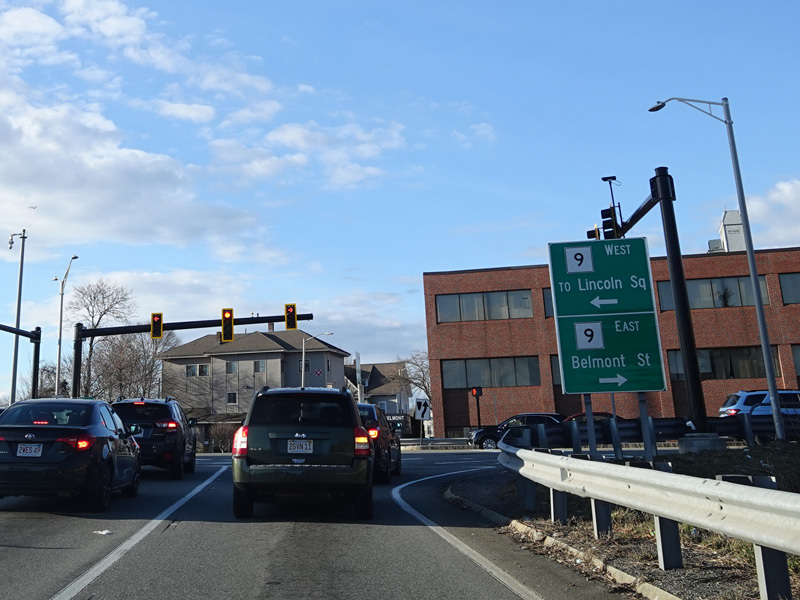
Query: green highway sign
x=606, y=322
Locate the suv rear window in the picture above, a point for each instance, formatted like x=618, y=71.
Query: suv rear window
x=322, y=409
x=147, y=412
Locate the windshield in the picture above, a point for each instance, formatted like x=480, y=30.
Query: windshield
x=58, y=414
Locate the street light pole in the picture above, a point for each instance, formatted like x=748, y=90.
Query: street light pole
x=303, y=359
x=60, y=322
x=748, y=241
x=23, y=237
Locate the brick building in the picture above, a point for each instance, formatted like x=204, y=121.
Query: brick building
x=495, y=328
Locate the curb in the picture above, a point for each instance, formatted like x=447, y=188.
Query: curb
x=648, y=590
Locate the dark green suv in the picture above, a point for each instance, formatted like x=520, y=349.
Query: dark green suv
x=302, y=441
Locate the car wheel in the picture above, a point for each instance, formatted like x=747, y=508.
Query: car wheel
x=100, y=496
x=132, y=490
x=399, y=466
x=363, y=504
x=176, y=470
x=190, y=466
x=242, y=504
x=488, y=443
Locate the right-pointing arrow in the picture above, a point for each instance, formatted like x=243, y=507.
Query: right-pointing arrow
x=618, y=379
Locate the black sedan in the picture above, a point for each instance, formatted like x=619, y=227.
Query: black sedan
x=385, y=440
x=64, y=447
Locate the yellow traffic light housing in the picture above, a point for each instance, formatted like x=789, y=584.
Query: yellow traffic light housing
x=156, y=325
x=227, y=324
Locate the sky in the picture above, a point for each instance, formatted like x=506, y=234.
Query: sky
x=327, y=153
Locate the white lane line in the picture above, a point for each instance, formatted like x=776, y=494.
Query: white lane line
x=503, y=577
x=74, y=588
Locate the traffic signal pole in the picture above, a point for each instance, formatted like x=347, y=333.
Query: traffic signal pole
x=82, y=333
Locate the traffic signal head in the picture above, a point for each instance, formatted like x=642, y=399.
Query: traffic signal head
x=477, y=392
x=290, y=315
x=156, y=325
x=227, y=324
x=611, y=228
x=593, y=234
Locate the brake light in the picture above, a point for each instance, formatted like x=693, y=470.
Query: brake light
x=138, y=403
x=373, y=433
x=362, y=444
x=240, y=442
x=41, y=422
x=732, y=411
x=167, y=424
x=78, y=442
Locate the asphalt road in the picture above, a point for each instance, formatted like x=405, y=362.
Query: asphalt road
x=179, y=540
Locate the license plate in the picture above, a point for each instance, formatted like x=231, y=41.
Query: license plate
x=29, y=450
x=300, y=446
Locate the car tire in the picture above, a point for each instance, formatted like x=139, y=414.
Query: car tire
x=488, y=443
x=132, y=489
x=242, y=504
x=100, y=495
x=190, y=466
x=398, y=469
x=363, y=504
x=177, y=469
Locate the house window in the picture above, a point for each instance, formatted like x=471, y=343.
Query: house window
x=231, y=367
x=259, y=366
x=191, y=370
x=230, y=398
x=308, y=366
x=329, y=365
x=202, y=370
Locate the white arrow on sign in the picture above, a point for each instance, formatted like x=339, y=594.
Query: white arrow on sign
x=598, y=302
x=423, y=411
x=619, y=379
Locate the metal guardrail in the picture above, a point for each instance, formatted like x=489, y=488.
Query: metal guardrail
x=768, y=518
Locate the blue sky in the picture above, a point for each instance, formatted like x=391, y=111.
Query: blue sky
x=328, y=153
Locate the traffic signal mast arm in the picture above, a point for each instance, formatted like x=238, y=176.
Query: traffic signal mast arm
x=624, y=227
x=168, y=326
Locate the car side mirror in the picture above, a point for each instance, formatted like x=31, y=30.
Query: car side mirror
x=192, y=422
x=134, y=429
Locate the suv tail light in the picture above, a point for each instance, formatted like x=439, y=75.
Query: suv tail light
x=374, y=432
x=732, y=411
x=240, y=442
x=362, y=443
x=78, y=442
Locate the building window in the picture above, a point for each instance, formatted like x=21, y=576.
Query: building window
x=259, y=366
x=491, y=372
x=231, y=367
x=328, y=363
x=790, y=288
x=308, y=365
x=555, y=369
x=483, y=306
x=202, y=370
x=191, y=370
x=230, y=398
x=719, y=292
x=725, y=363
x=547, y=297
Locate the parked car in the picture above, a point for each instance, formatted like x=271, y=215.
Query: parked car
x=302, y=441
x=66, y=447
x=165, y=434
x=384, y=439
x=757, y=403
x=487, y=437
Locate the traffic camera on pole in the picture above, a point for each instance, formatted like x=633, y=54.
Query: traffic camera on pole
x=290, y=315
x=156, y=325
x=227, y=324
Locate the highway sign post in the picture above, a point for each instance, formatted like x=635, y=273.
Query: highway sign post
x=606, y=322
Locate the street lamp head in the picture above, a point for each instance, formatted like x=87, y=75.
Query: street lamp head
x=56, y=278
x=609, y=178
x=657, y=106
x=74, y=256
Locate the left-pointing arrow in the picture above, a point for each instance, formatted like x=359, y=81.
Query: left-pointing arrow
x=598, y=302
x=619, y=379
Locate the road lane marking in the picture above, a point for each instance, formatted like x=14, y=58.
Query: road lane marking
x=499, y=574
x=75, y=588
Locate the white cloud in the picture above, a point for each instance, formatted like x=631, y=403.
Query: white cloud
x=197, y=113
x=261, y=112
x=775, y=216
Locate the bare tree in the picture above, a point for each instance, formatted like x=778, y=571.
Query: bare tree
x=127, y=365
x=417, y=372
x=96, y=304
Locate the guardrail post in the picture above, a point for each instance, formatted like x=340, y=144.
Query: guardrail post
x=526, y=492
x=558, y=506
x=541, y=435
x=771, y=565
x=615, y=441
x=575, y=434
x=746, y=426
x=647, y=431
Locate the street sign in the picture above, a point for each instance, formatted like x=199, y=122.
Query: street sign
x=606, y=322
x=423, y=412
